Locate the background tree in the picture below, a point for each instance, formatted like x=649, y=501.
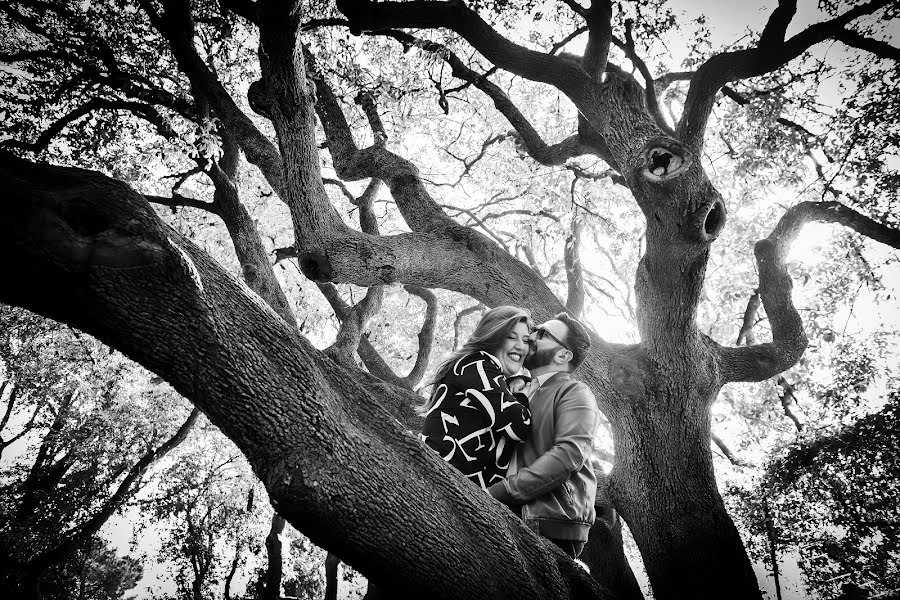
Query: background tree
x=95, y=424
x=211, y=528
x=94, y=572
x=329, y=441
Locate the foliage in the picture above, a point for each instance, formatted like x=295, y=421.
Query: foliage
x=832, y=496
x=83, y=417
x=203, y=515
x=95, y=572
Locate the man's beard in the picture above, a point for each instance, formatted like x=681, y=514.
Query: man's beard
x=540, y=358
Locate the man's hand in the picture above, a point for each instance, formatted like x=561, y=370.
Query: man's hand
x=498, y=491
x=517, y=383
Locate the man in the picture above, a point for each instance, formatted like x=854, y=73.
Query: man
x=551, y=479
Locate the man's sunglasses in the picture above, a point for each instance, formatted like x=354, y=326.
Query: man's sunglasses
x=541, y=332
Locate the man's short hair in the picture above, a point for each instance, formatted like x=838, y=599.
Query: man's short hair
x=578, y=340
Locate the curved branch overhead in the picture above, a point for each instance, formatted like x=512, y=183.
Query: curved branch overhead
x=879, y=48
x=599, y=103
x=366, y=15
x=144, y=111
x=537, y=148
x=772, y=53
x=346, y=255
x=762, y=361
x=474, y=258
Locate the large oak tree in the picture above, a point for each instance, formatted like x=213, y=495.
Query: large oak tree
x=332, y=443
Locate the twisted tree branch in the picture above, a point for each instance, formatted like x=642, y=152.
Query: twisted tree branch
x=755, y=363
x=456, y=16
x=770, y=54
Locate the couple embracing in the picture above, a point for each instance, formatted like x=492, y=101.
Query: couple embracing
x=526, y=439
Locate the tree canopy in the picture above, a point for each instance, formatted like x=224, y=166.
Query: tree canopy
x=187, y=181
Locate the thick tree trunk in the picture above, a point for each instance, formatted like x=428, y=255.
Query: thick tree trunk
x=332, y=562
x=90, y=252
x=604, y=552
x=274, y=574
x=666, y=488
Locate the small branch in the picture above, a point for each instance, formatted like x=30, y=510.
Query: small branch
x=272, y=589
x=367, y=102
x=425, y=335
x=877, y=47
x=563, y=42
x=341, y=186
x=609, y=174
x=728, y=453
x=11, y=401
x=574, y=269
x=662, y=83
x=576, y=8
x=743, y=101
x=457, y=322
x=331, y=576
x=368, y=223
x=178, y=201
x=776, y=27
x=232, y=570
x=786, y=393
x=596, y=52
x=353, y=322
x=183, y=177
x=285, y=253
x=649, y=85
x=772, y=535
x=468, y=163
x=745, y=335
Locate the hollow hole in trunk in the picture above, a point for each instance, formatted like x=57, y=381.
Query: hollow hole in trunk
x=715, y=219
x=660, y=161
x=315, y=266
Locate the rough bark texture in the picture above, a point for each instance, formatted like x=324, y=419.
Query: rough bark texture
x=90, y=252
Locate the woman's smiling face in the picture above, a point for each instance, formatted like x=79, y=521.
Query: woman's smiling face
x=514, y=349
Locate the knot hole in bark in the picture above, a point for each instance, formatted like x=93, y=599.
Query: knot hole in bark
x=661, y=163
x=315, y=266
x=628, y=373
x=83, y=219
x=259, y=99
x=714, y=221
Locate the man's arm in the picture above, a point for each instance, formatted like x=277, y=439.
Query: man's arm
x=576, y=422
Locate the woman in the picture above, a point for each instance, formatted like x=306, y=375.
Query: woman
x=473, y=420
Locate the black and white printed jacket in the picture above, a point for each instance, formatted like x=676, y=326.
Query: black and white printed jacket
x=477, y=422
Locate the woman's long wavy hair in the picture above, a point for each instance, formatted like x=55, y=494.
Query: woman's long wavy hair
x=489, y=335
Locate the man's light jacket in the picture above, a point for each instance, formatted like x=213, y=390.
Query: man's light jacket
x=551, y=475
